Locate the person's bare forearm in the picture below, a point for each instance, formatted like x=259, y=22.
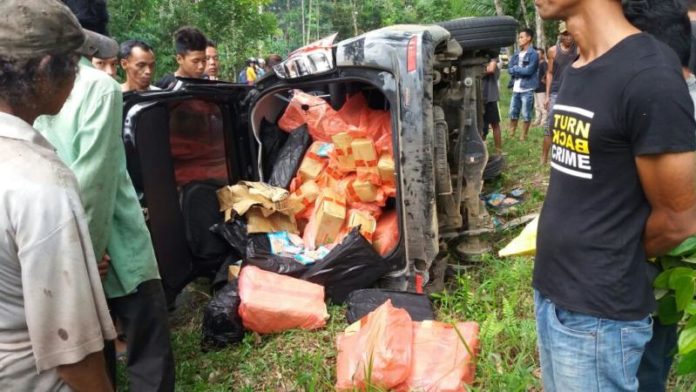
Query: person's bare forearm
x=87, y=375
x=664, y=231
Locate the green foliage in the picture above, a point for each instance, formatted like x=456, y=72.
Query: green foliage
x=676, y=303
x=236, y=25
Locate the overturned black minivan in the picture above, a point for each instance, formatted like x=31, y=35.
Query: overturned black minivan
x=428, y=77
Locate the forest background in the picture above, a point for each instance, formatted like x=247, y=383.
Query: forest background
x=257, y=28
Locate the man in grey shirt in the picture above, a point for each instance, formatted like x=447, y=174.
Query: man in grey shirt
x=53, y=314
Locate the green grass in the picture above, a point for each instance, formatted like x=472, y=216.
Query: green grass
x=496, y=293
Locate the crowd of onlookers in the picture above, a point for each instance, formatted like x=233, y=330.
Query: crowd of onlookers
x=197, y=58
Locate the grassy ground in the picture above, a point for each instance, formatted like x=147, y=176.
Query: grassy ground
x=496, y=293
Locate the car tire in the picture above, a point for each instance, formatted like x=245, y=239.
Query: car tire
x=487, y=32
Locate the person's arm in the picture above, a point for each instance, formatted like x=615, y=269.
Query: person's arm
x=549, y=75
x=660, y=125
x=512, y=64
x=530, y=68
x=87, y=375
x=669, y=183
x=97, y=145
x=491, y=67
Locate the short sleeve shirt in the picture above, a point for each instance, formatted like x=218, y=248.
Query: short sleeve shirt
x=590, y=251
x=52, y=305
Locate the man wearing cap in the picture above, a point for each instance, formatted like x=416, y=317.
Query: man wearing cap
x=53, y=314
x=87, y=136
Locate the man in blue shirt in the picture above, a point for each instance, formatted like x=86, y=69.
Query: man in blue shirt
x=525, y=79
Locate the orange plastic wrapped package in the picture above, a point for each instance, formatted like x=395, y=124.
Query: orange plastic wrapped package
x=386, y=236
x=321, y=119
x=273, y=303
x=442, y=362
x=375, y=351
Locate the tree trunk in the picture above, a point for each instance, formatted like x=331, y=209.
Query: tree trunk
x=541, y=36
x=354, y=15
x=309, y=23
x=523, y=6
x=498, y=7
x=304, y=32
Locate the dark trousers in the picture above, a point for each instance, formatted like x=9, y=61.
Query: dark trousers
x=657, y=358
x=144, y=318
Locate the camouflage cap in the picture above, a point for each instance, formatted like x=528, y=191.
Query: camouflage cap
x=31, y=28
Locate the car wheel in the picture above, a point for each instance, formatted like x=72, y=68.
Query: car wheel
x=483, y=32
x=494, y=167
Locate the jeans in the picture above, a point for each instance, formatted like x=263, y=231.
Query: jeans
x=580, y=352
x=522, y=105
x=657, y=358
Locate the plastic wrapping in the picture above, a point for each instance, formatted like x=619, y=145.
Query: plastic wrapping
x=289, y=158
x=351, y=265
x=235, y=234
x=222, y=325
x=524, y=244
x=272, y=141
x=386, y=237
x=274, y=303
x=318, y=114
x=442, y=362
x=259, y=254
x=380, y=349
x=362, y=302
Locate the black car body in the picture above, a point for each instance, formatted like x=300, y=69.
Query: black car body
x=426, y=76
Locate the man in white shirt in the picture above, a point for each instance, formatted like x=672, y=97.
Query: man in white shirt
x=53, y=314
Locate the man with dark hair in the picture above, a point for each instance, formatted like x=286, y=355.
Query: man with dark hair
x=211, y=60
x=53, y=314
x=190, y=45
x=560, y=56
x=666, y=20
x=525, y=79
x=540, y=113
x=109, y=65
x=138, y=62
x=86, y=135
x=622, y=190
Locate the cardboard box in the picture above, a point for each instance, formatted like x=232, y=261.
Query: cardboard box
x=259, y=222
x=364, y=152
x=343, y=151
x=330, y=216
x=367, y=223
x=244, y=195
x=363, y=191
x=313, y=162
x=385, y=166
x=304, y=197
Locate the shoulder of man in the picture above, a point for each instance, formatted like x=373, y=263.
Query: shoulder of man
x=97, y=81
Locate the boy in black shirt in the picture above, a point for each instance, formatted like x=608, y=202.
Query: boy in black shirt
x=190, y=46
x=622, y=189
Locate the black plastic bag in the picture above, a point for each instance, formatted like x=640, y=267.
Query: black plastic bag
x=290, y=158
x=222, y=325
x=272, y=140
x=222, y=277
x=259, y=254
x=235, y=235
x=362, y=302
x=351, y=265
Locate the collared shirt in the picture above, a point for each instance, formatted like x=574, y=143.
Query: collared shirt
x=87, y=136
x=52, y=306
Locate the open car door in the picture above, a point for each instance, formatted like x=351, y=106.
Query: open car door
x=188, y=141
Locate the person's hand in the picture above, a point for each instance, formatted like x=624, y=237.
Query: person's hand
x=546, y=102
x=104, y=265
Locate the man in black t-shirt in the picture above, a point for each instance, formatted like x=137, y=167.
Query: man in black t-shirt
x=190, y=46
x=622, y=189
